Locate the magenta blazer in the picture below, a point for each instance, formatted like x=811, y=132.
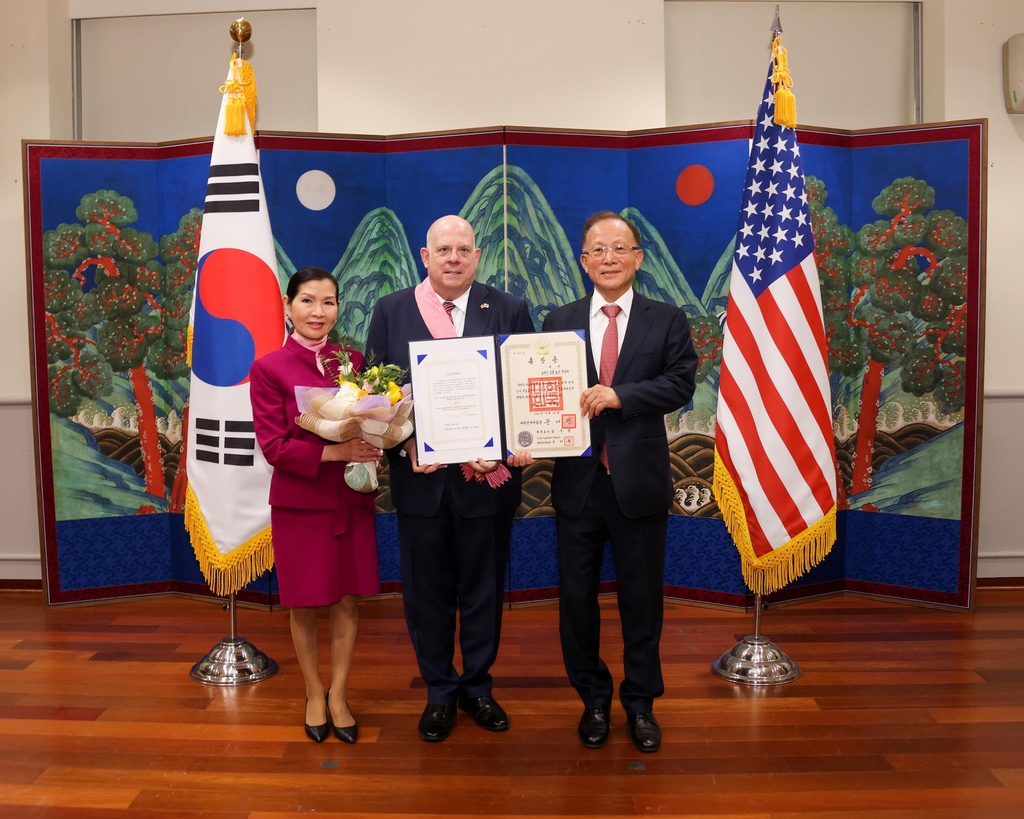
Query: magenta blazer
x=300, y=479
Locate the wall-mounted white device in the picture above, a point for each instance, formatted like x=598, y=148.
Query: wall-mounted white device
x=1013, y=73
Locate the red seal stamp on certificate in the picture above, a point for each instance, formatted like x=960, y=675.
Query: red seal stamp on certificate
x=569, y=421
x=545, y=394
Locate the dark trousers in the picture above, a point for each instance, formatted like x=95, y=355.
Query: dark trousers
x=638, y=553
x=450, y=564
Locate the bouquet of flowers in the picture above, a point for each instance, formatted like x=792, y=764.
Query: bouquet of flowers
x=369, y=405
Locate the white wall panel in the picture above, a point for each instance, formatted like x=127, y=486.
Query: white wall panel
x=152, y=79
x=851, y=63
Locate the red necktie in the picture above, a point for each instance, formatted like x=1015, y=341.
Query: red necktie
x=449, y=306
x=609, y=358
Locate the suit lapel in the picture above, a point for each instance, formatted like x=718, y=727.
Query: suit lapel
x=415, y=326
x=581, y=319
x=636, y=330
x=477, y=316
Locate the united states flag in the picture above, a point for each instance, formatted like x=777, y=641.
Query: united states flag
x=775, y=476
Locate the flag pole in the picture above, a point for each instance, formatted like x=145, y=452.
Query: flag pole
x=756, y=660
x=234, y=660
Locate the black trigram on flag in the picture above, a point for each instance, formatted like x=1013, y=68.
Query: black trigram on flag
x=233, y=188
x=234, y=448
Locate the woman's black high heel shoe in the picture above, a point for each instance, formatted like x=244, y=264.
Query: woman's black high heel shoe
x=318, y=733
x=349, y=733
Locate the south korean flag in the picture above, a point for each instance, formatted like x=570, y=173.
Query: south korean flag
x=236, y=318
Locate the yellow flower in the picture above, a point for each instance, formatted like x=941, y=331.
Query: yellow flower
x=394, y=393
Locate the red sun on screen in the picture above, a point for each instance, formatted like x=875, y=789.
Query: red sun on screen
x=694, y=185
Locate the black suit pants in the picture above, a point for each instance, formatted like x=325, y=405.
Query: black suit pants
x=638, y=554
x=454, y=564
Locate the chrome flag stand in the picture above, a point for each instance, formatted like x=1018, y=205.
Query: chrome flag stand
x=756, y=660
x=234, y=660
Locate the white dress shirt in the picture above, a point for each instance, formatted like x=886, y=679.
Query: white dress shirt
x=599, y=322
x=459, y=313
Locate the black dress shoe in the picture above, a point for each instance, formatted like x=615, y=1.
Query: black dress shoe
x=349, y=734
x=644, y=731
x=317, y=733
x=594, y=725
x=436, y=722
x=487, y=713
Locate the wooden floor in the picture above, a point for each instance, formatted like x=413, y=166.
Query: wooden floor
x=900, y=712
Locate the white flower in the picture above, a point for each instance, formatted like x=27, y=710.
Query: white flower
x=348, y=394
x=336, y=408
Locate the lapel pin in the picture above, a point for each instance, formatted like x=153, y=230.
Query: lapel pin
x=484, y=306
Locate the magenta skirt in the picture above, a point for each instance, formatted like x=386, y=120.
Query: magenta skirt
x=317, y=566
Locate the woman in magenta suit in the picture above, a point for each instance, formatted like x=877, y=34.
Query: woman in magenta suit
x=325, y=545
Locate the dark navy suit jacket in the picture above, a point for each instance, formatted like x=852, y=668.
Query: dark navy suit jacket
x=654, y=375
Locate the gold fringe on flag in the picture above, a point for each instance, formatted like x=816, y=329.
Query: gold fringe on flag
x=241, y=91
x=785, y=102
x=226, y=573
x=764, y=575
x=188, y=346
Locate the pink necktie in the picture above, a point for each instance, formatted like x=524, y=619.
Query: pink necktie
x=449, y=306
x=609, y=358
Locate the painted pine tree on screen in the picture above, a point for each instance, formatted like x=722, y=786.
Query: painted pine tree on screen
x=117, y=302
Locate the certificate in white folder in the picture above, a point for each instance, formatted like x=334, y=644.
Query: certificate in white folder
x=455, y=388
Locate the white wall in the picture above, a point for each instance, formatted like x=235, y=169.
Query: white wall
x=121, y=54
x=861, y=74
x=398, y=66
x=35, y=102
x=436, y=65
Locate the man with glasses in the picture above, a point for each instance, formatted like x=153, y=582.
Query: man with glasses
x=454, y=527
x=641, y=365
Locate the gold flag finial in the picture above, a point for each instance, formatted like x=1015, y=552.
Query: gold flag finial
x=241, y=88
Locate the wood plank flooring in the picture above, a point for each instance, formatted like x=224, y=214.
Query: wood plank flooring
x=901, y=712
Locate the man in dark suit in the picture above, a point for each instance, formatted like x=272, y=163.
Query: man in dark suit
x=640, y=364
x=454, y=527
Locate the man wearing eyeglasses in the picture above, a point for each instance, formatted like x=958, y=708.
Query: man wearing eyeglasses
x=641, y=365
x=454, y=524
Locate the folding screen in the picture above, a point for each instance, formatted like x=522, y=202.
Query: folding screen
x=899, y=236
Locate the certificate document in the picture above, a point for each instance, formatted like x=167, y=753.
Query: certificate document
x=455, y=392
x=544, y=375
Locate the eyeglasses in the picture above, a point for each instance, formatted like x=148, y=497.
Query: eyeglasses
x=615, y=250
x=446, y=250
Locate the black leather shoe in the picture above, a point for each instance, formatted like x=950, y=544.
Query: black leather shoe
x=349, y=734
x=594, y=725
x=644, y=731
x=487, y=713
x=436, y=722
x=317, y=733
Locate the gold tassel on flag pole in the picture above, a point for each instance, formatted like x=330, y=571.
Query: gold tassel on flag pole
x=241, y=88
x=785, y=102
